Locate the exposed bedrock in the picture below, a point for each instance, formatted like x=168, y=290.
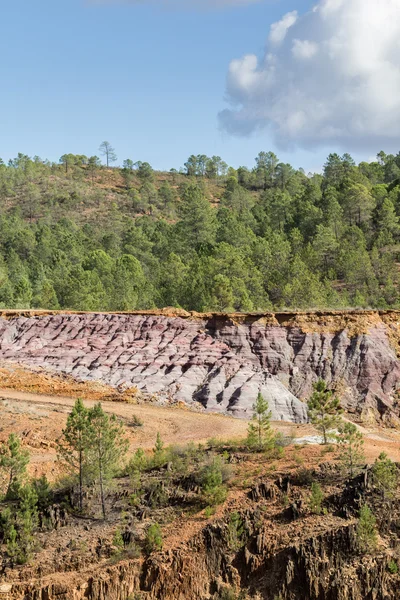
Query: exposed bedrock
x=217, y=360
x=324, y=565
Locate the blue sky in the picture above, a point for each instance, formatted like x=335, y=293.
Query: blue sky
x=150, y=80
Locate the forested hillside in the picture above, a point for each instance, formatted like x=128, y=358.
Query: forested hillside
x=79, y=235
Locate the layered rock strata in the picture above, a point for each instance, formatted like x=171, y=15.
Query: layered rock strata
x=221, y=361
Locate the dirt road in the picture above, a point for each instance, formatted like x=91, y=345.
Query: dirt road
x=39, y=419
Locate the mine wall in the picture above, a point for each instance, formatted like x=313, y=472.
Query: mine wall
x=220, y=360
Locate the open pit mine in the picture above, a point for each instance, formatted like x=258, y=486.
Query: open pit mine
x=220, y=361
x=193, y=511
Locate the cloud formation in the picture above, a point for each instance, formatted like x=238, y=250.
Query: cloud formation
x=279, y=30
x=329, y=76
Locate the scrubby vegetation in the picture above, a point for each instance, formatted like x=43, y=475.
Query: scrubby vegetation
x=114, y=504
x=93, y=453
x=206, y=237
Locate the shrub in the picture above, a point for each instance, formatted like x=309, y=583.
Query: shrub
x=209, y=511
x=157, y=494
x=215, y=443
x=134, y=500
x=385, y=475
x=179, y=458
x=118, y=541
x=42, y=490
x=226, y=471
x=367, y=536
x=137, y=463
x=304, y=476
x=393, y=567
x=153, y=541
x=137, y=421
x=159, y=454
x=211, y=479
x=132, y=551
x=182, y=458
x=278, y=452
x=316, y=498
x=235, y=531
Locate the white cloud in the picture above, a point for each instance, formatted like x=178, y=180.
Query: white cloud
x=279, y=30
x=329, y=76
x=304, y=49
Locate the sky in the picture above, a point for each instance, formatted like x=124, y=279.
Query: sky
x=163, y=79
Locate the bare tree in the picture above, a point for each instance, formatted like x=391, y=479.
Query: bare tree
x=108, y=151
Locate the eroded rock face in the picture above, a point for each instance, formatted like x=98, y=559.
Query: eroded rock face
x=322, y=566
x=215, y=360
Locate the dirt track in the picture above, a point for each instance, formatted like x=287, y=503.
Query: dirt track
x=175, y=425
x=39, y=419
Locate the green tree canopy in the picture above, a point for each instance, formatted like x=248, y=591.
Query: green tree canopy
x=324, y=410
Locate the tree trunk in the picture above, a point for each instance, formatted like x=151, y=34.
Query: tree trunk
x=80, y=481
x=324, y=435
x=10, y=482
x=103, y=506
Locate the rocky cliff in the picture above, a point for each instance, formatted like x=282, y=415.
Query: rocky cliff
x=221, y=361
x=272, y=554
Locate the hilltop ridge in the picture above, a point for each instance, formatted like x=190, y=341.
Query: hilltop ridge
x=77, y=235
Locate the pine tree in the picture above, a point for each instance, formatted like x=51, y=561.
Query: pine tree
x=12, y=545
x=42, y=490
x=19, y=526
x=198, y=220
x=212, y=482
x=153, y=540
x=385, y=475
x=108, y=151
x=158, y=451
x=27, y=520
x=13, y=463
x=260, y=435
x=107, y=447
x=316, y=498
x=129, y=284
x=324, y=410
x=222, y=294
x=44, y=295
x=367, y=536
x=387, y=220
x=74, y=446
x=351, y=444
